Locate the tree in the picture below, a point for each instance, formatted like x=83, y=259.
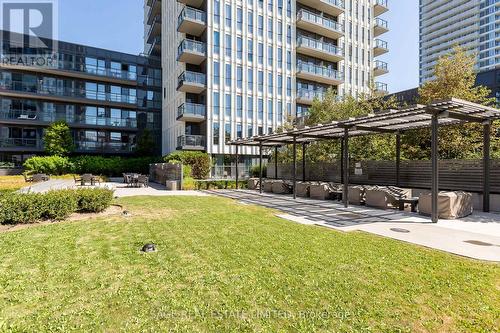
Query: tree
x=455, y=77
x=58, y=140
x=145, y=144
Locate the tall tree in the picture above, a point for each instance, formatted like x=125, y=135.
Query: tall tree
x=58, y=140
x=455, y=77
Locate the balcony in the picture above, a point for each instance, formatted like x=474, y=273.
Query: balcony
x=318, y=73
x=19, y=144
x=380, y=47
x=104, y=147
x=191, y=142
x=191, y=112
x=305, y=96
x=380, y=7
x=331, y=7
x=192, y=21
x=192, y=3
x=192, y=82
x=154, y=10
x=191, y=52
x=381, y=88
x=155, y=47
x=380, y=68
x=317, y=49
x=154, y=29
x=318, y=24
x=380, y=27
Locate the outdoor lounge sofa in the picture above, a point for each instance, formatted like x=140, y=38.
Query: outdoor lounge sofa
x=386, y=197
x=304, y=189
x=253, y=183
x=282, y=187
x=326, y=191
x=268, y=185
x=451, y=205
x=357, y=194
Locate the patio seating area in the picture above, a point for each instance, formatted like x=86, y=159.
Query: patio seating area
x=136, y=180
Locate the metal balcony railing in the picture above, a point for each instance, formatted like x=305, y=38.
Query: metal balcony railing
x=316, y=44
x=193, y=14
x=319, y=70
x=380, y=65
x=191, y=109
x=20, y=143
x=382, y=2
x=381, y=23
x=310, y=94
x=336, y=3
x=379, y=86
x=196, y=141
x=108, y=147
x=319, y=20
x=192, y=77
x=381, y=44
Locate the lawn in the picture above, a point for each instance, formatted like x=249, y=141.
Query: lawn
x=11, y=183
x=226, y=267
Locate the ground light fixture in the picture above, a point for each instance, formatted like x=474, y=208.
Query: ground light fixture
x=148, y=248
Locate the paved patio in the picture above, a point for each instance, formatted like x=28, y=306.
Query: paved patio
x=477, y=236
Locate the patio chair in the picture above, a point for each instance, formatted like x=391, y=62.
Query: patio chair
x=268, y=185
x=143, y=181
x=87, y=178
x=304, y=189
x=357, y=195
x=282, y=187
x=451, y=205
x=325, y=191
x=40, y=177
x=27, y=178
x=78, y=180
x=386, y=197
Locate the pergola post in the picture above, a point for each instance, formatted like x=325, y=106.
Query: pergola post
x=260, y=168
x=398, y=159
x=275, y=162
x=304, y=145
x=294, y=167
x=345, y=154
x=237, y=160
x=486, y=166
x=435, y=166
x=342, y=161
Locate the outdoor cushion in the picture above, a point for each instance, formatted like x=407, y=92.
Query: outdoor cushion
x=451, y=205
x=385, y=197
x=268, y=185
x=356, y=195
x=323, y=191
x=303, y=189
x=282, y=187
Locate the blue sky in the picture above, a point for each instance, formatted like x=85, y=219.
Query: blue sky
x=118, y=25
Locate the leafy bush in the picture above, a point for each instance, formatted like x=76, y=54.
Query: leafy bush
x=198, y=161
x=255, y=171
x=22, y=208
x=52, y=165
x=93, y=200
x=220, y=184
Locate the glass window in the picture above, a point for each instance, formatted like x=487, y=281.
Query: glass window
x=250, y=50
x=216, y=42
x=250, y=22
x=250, y=79
x=270, y=55
x=239, y=131
x=228, y=75
x=228, y=45
x=239, y=48
x=228, y=16
x=270, y=85
x=216, y=133
x=250, y=131
x=260, y=25
x=280, y=85
x=260, y=80
x=260, y=51
x=239, y=19
x=280, y=111
x=270, y=110
x=260, y=109
x=116, y=69
x=270, y=28
x=228, y=105
x=216, y=73
x=227, y=132
x=216, y=103
x=216, y=12
x=239, y=77
x=250, y=107
x=280, y=58
x=239, y=106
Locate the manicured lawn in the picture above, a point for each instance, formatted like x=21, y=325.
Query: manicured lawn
x=224, y=267
x=11, y=183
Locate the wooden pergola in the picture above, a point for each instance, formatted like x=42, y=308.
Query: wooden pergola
x=440, y=113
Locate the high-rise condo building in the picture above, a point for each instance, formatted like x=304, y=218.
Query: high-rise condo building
x=472, y=24
x=235, y=68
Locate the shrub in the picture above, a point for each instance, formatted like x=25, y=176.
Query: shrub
x=93, y=200
x=255, y=171
x=112, y=166
x=198, y=161
x=58, y=205
x=52, y=165
x=22, y=208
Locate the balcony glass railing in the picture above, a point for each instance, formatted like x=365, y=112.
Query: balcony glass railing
x=191, y=141
x=19, y=143
x=310, y=94
x=192, y=14
x=381, y=23
x=319, y=20
x=156, y=20
x=43, y=89
x=192, y=78
x=336, y=3
x=316, y=44
x=188, y=45
x=109, y=147
x=381, y=44
x=319, y=70
x=381, y=65
x=191, y=109
x=381, y=3
x=379, y=86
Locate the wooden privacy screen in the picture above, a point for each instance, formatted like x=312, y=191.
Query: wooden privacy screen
x=466, y=175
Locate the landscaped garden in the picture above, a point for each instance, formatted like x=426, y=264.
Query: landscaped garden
x=222, y=267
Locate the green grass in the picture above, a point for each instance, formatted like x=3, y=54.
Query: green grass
x=224, y=267
x=11, y=183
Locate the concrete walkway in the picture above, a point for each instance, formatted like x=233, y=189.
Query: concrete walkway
x=477, y=236
x=53, y=184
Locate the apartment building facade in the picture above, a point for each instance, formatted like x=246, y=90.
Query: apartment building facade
x=107, y=98
x=472, y=24
x=235, y=69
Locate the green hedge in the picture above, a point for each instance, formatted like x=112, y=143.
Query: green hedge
x=198, y=161
x=22, y=208
x=219, y=184
x=98, y=165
